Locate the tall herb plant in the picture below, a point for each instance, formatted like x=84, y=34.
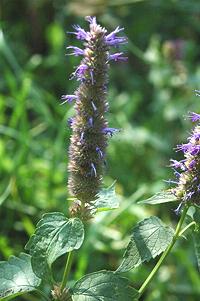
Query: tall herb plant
x=57, y=234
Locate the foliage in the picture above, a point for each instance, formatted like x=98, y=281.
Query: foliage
x=149, y=238
x=17, y=276
x=103, y=285
x=55, y=235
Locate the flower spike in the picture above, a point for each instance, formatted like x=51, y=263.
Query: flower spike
x=90, y=131
x=187, y=187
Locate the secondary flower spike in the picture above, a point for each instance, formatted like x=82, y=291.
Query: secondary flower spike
x=90, y=131
x=187, y=188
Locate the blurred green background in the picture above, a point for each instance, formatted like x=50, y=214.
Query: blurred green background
x=149, y=97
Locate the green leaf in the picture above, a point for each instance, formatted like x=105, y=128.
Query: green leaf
x=196, y=238
x=159, y=198
x=196, y=216
x=107, y=199
x=150, y=238
x=103, y=286
x=17, y=277
x=55, y=235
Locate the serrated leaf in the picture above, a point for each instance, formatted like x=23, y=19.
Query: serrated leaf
x=103, y=286
x=107, y=199
x=55, y=235
x=159, y=198
x=150, y=238
x=17, y=277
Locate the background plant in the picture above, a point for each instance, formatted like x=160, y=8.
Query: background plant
x=157, y=89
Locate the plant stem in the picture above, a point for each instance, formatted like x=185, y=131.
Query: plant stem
x=67, y=270
x=160, y=261
x=187, y=227
x=123, y=2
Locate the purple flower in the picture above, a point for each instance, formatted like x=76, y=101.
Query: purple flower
x=92, y=76
x=118, y=57
x=70, y=121
x=188, y=187
x=80, y=33
x=76, y=51
x=116, y=41
x=82, y=137
x=113, y=40
x=176, y=173
x=112, y=35
x=177, y=164
x=178, y=209
x=68, y=98
x=91, y=20
x=99, y=151
x=183, y=147
x=93, y=170
x=110, y=131
x=189, y=195
x=194, y=149
x=189, y=148
x=170, y=181
x=196, y=136
x=80, y=71
x=90, y=121
x=194, y=116
x=192, y=164
x=93, y=106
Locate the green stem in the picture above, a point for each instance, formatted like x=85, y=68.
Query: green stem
x=67, y=270
x=187, y=227
x=160, y=261
x=122, y=2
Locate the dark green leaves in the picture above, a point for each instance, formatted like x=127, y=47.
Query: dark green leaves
x=55, y=235
x=150, y=237
x=159, y=198
x=107, y=199
x=17, y=277
x=196, y=236
x=103, y=286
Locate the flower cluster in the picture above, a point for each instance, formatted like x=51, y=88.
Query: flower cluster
x=187, y=170
x=90, y=129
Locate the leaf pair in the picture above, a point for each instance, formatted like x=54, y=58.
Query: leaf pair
x=55, y=235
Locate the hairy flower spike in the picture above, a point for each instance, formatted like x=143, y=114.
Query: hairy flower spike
x=188, y=180
x=90, y=130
